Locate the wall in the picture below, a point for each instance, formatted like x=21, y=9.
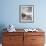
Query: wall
x=10, y=13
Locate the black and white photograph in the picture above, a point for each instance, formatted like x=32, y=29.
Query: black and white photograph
x=26, y=13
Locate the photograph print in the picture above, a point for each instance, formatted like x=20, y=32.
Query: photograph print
x=26, y=13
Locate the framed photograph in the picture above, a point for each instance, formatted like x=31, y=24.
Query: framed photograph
x=26, y=13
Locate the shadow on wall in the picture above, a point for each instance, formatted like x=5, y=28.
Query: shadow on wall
x=2, y=26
